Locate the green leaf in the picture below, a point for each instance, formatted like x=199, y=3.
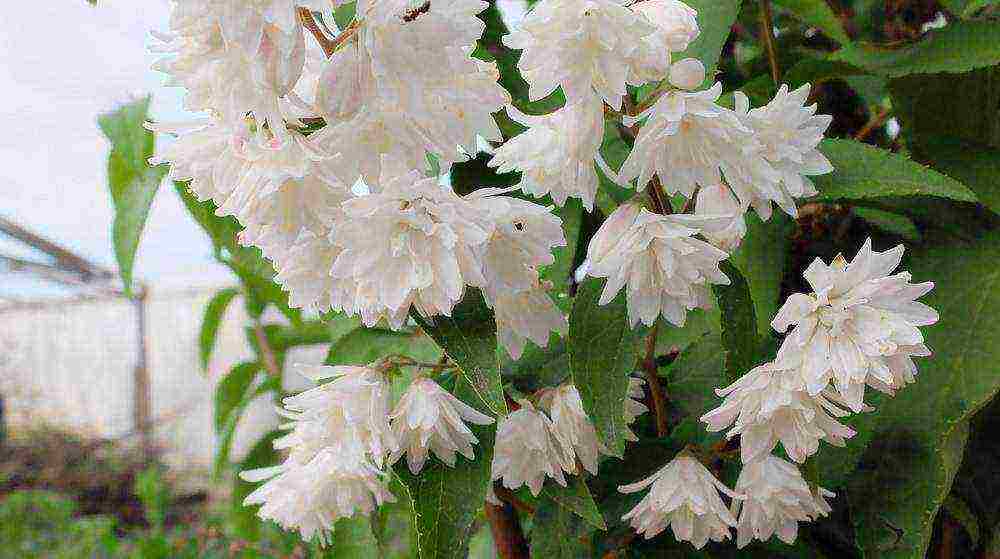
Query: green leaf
x=863, y=171
x=739, y=323
x=694, y=376
x=367, y=345
x=761, y=258
x=576, y=498
x=352, y=539
x=221, y=231
x=716, y=19
x=445, y=501
x=602, y=356
x=958, y=47
x=960, y=511
x=560, y=272
x=232, y=390
x=917, y=436
x=558, y=532
x=132, y=182
x=977, y=167
x=469, y=338
x=817, y=13
x=244, y=518
x=889, y=222
x=211, y=322
x=699, y=322
x=970, y=111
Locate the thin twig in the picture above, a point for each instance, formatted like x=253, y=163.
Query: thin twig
x=508, y=538
x=309, y=22
x=767, y=35
x=508, y=496
x=266, y=353
x=655, y=388
x=873, y=124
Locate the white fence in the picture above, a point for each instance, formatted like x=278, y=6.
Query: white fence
x=72, y=365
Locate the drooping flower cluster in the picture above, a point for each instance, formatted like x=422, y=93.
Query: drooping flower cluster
x=322, y=156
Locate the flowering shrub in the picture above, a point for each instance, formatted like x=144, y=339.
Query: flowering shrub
x=616, y=267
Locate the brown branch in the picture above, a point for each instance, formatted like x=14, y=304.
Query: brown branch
x=767, y=35
x=508, y=496
x=266, y=352
x=309, y=22
x=508, y=538
x=655, y=388
x=873, y=124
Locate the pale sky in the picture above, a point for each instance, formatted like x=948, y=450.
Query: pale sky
x=63, y=63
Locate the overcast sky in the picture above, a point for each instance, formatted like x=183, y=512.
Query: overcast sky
x=63, y=64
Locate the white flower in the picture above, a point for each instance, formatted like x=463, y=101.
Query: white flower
x=675, y=21
x=556, y=154
x=770, y=405
x=570, y=422
x=355, y=403
x=676, y=26
x=527, y=450
x=789, y=133
x=527, y=315
x=688, y=140
x=718, y=200
x=859, y=327
x=685, y=496
x=633, y=405
x=412, y=243
x=665, y=270
x=338, y=482
x=427, y=417
x=687, y=73
x=581, y=45
x=208, y=153
x=777, y=499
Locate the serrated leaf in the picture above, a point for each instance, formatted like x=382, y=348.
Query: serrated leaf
x=817, y=13
x=576, y=498
x=971, y=112
x=211, y=322
x=602, y=356
x=716, y=19
x=761, y=258
x=469, y=338
x=558, y=532
x=739, y=323
x=132, y=182
x=958, y=47
x=863, y=171
x=977, y=167
x=922, y=429
x=444, y=501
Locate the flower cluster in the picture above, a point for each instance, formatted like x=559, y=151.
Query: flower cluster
x=320, y=148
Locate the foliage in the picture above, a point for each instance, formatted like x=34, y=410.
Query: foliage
x=935, y=185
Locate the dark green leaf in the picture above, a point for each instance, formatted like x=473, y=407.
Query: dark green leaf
x=958, y=47
x=444, y=500
x=917, y=436
x=352, y=539
x=739, y=323
x=694, y=376
x=132, y=182
x=558, y=532
x=367, y=345
x=576, y=498
x=761, y=258
x=893, y=223
x=716, y=19
x=560, y=273
x=469, y=338
x=817, y=13
x=863, y=171
x=977, y=167
x=602, y=356
x=971, y=112
x=232, y=390
x=210, y=323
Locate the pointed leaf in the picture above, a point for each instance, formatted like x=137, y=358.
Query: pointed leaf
x=761, y=259
x=602, y=356
x=211, y=322
x=716, y=19
x=739, y=323
x=576, y=497
x=817, y=13
x=469, y=338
